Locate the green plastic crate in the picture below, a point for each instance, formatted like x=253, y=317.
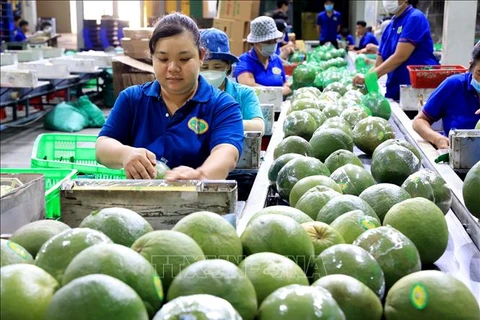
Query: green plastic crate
x=70, y=151
x=53, y=182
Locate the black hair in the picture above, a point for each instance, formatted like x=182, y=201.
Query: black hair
x=22, y=23
x=369, y=29
x=413, y=3
x=281, y=3
x=475, y=56
x=344, y=31
x=171, y=25
x=281, y=25
x=16, y=17
x=361, y=23
x=329, y=1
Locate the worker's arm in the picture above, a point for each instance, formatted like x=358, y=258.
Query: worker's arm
x=378, y=61
x=247, y=79
x=255, y=124
x=139, y=163
x=403, y=51
x=218, y=165
x=422, y=125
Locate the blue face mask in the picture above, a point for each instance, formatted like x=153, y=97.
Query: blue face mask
x=329, y=7
x=475, y=84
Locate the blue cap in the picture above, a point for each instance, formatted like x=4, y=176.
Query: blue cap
x=216, y=43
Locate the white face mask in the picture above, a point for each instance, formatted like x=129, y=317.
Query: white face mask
x=268, y=49
x=214, y=77
x=391, y=6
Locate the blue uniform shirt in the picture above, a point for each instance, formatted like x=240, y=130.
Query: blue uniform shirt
x=140, y=119
x=19, y=35
x=455, y=101
x=246, y=98
x=272, y=76
x=350, y=40
x=366, y=39
x=411, y=27
x=329, y=25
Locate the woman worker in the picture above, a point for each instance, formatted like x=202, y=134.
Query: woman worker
x=178, y=118
x=217, y=65
x=260, y=66
x=456, y=101
x=405, y=41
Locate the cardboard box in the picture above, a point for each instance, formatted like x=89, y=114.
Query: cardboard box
x=238, y=9
x=138, y=33
x=237, y=47
x=136, y=48
x=270, y=95
x=309, y=26
x=235, y=29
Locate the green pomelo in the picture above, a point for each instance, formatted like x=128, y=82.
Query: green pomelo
x=357, y=301
x=303, y=95
x=381, y=197
x=323, y=104
x=317, y=115
x=122, y=226
x=33, y=235
x=96, y=297
x=293, y=145
x=477, y=127
x=352, y=179
x=353, y=115
x=352, y=261
x=303, y=103
x=307, y=183
x=352, y=224
x=337, y=87
x=343, y=204
x=471, y=185
x=198, y=307
x=217, y=238
x=337, y=123
x=340, y=158
x=278, y=234
x=286, y=211
x=423, y=223
x=270, y=271
x=326, y=141
x=370, y=132
x=219, y=278
x=314, y=199
x=278, y=164
x=396, y=254
x=354, y=95
x=377, y=103
x=431, y=295
x=297, y=169
x=323, y=236
x=312, y=90
x=13, y=253
x=161, y=169
x=300, y=124
x=429, y=185
x=123, y=264
x=169, y=252
x=300, y=302
x=394, y=164
x=333, y=110
x=399, y=142
x=347, y=103
x=330, y=95
x=303, y=76
x=25, y=292
x=57, y=253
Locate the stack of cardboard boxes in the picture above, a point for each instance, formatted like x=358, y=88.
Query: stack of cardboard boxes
x=135, y=42
x=233, y=18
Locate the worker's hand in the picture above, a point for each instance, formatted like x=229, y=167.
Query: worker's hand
x=371, y=48
x=359, y=79
x=139, y=163
x=477, y=112
x=441, y=142
x=184, y=173
x=286, y=90
x=286, y=51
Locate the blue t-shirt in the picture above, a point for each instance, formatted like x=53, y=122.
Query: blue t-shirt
x=329, y=25
x=272, y=76
x=455, y=101
x=140, y=119
x=19, y=35
x=246, y=98
x=366, y=39
x=412, y=27
x=350, y=40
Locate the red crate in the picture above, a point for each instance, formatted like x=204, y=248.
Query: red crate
x=289, y=68
x=423, y=77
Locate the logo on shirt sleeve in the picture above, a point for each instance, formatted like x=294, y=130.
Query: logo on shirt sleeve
x=400, y=29
x=276, y=70
x=199, y=126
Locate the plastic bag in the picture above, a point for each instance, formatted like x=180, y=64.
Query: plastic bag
x=95, y=116
x=66, y=118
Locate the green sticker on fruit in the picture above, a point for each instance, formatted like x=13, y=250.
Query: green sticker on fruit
x=366, y=224
x=157, y=283
x=419, y=296
x=17, y=249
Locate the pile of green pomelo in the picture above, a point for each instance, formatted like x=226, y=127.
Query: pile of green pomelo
x=351, y=244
